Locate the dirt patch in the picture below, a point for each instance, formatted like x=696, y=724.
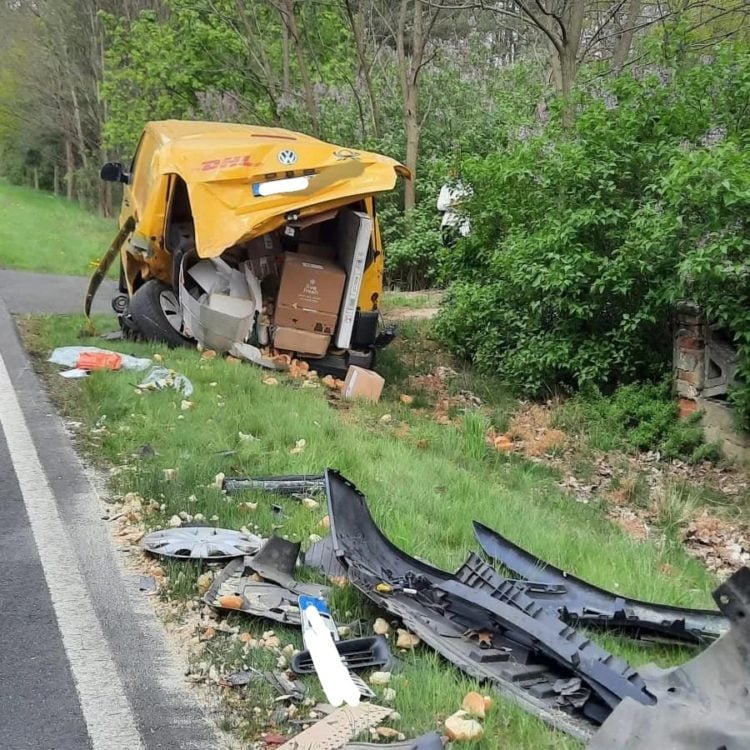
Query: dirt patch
x=411, y=313
x=438, y=385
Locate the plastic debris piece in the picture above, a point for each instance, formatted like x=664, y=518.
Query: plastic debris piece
x=159, y=378
x=99, y=361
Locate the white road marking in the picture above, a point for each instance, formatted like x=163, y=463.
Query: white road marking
x=105, y=706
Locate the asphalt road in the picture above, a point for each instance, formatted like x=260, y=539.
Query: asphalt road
x=25, y=292
x=83, y=660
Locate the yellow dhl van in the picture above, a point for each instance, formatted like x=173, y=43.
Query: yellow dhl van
x=251, y=239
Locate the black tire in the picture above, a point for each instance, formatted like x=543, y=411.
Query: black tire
x=148, y=315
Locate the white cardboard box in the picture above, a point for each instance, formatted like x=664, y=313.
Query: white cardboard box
x=354, y=232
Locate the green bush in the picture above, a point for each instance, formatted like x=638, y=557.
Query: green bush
x=636, y=417
x=583, y=240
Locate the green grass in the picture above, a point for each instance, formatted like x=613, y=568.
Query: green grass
x=424, y=486
x=41, y=232
x=411, y=301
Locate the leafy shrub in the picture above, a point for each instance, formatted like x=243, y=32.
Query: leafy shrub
x=637, y=417
x=583, y=240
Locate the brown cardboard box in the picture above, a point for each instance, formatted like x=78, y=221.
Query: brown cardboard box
x=311, y=284
x=265, y=245
x=302, y=342
x=362, y=383
x=305, y=320
x=321, y=252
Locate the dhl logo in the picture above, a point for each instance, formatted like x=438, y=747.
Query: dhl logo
x=229, y=161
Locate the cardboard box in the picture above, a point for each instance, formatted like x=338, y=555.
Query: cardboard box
x=264, y=266
x=362, y=383
x=302, y=342
x=305, y=320
x=312, y=284
x=321, y=252
x=263, y=246
x=354, y=232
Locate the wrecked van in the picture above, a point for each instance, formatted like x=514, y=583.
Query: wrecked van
x=250, y=240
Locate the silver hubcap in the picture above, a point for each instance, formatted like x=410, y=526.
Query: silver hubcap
x=171, y=309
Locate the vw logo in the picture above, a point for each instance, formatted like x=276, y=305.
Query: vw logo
x=287, y=157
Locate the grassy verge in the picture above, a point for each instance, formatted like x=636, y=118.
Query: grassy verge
x=41, y=232
x=425, y=482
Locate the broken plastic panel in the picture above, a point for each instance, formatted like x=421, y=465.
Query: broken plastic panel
x=702, y=704
x=579, y=602
x=201, y=543
x=356, y=653
x=237, y=589
x=527, y=652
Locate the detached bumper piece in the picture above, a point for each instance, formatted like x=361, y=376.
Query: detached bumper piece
x=526, y=651
x=702, y=704
x=580, y=603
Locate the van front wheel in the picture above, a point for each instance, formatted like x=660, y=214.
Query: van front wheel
x=156, y=313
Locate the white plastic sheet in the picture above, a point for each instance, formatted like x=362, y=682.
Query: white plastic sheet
x=67, y=356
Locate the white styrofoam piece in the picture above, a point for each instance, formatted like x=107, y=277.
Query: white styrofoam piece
x=354, y=232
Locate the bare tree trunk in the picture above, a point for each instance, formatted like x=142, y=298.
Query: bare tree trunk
x=291, y=23
x=357, y=26
x=625, y=41
x=70, y=167
x=286, y=85
x=79, y=128
x=412, y=145
x=55, y=179
x=36, y=178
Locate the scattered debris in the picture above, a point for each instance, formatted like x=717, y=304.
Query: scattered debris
x=159, y=378
x=406, y=399
x=474, y=705
x=406, y=640
x=200, y=543
x=169, y=475
x=308, y=502
x=460, y=728
x=380, y=678
x=380, y=626
x=339, y=727
x=270, y=381
x=299, y=446
x=721, y=545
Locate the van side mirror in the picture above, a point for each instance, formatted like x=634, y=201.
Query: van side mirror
x=112, y=172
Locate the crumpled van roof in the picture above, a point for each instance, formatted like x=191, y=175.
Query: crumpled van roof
x=223, y=163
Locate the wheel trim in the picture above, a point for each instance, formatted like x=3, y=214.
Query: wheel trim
x=171, y=309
